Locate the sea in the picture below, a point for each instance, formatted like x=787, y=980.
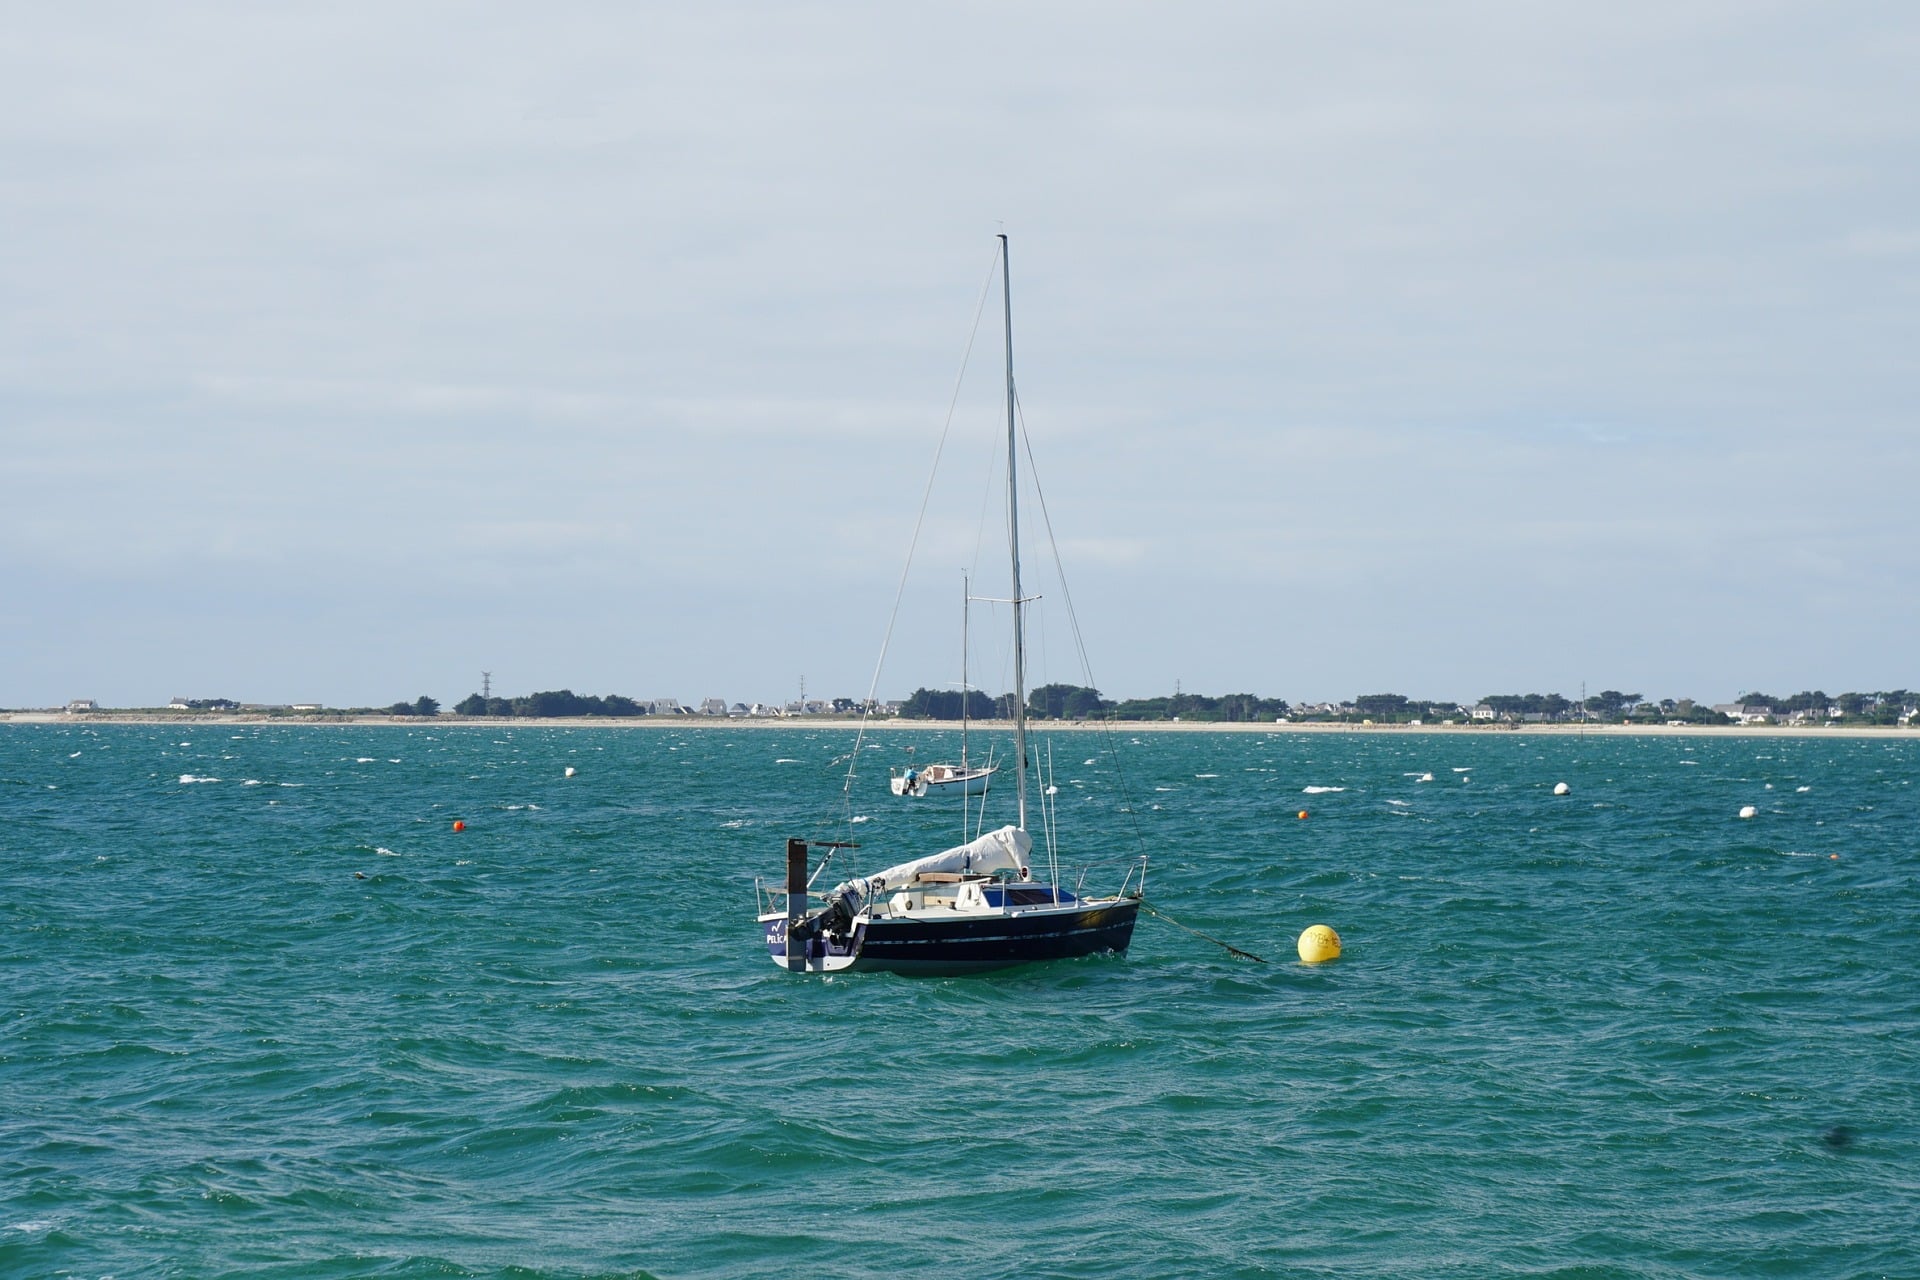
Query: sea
x=264, y=1011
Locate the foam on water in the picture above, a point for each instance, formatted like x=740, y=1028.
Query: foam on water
x=1562, y=1040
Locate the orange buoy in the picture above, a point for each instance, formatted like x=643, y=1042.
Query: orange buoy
x=1302, y=814
x=459, y=825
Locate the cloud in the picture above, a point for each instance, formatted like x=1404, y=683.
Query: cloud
x=1398, y=310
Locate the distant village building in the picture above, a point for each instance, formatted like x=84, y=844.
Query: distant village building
x=714, y=707
x=665, y=707
x=1482, y=711
x=309, y=706
x=79, y=705
x=179, y=704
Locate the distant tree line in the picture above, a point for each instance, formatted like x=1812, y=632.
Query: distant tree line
x=1881, y=707
x=952, y=704
x=421, y=706
x=551, y=703
x=1079, y=702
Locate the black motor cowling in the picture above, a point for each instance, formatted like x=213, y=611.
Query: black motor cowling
x=834, y=918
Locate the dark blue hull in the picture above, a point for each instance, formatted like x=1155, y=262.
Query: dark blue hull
x=971, y=944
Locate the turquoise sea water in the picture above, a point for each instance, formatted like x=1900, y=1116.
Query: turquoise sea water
x=1618, y=1033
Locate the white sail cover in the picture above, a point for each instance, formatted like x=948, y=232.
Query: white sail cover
x=1005, y=849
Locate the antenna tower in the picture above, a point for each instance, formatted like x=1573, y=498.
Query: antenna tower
x=486, y=684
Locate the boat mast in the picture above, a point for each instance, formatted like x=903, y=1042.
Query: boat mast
x=966, y=600
x=1013, y=546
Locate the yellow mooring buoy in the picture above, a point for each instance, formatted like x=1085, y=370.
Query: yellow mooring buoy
x=1319, y=944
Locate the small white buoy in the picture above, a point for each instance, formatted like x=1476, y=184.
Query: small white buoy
x=569, y=771
x=1748, y=811
x=1561, y=789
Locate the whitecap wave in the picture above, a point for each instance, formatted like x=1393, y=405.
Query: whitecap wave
x=188, y=777
x=1319, y=791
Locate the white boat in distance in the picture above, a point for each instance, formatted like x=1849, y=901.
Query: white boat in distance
x=968, y=909
x=942, y=780
x=963, y=779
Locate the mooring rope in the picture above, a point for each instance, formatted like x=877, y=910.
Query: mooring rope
x=1158, y=914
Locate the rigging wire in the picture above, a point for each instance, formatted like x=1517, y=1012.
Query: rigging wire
x=913, y=544
x=1109, y=735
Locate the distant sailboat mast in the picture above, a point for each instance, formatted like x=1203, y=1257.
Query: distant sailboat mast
x=966, y=696
x=1013, y=545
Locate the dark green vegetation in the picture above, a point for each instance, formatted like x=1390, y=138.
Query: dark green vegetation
x=551, y=703
x=1078, y=702
x=421, y=706
x=1081, y=702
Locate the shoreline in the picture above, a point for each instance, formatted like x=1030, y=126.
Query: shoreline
x=702, y=723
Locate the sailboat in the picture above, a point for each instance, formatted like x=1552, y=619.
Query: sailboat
x=948, y=779
x=968, y=909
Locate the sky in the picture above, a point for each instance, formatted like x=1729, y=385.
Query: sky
x=350, y=351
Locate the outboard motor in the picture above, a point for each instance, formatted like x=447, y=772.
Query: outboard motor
x=843, y=904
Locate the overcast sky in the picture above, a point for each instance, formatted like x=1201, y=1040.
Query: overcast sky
x=347, y=351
